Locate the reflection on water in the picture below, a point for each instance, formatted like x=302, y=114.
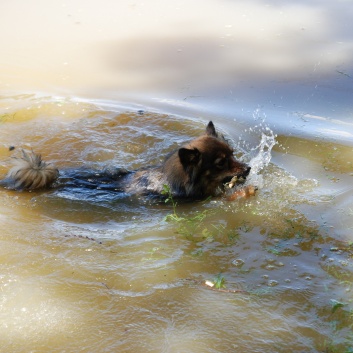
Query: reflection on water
x=87, y=271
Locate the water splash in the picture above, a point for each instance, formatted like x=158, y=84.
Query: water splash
x=261, y=154
x=260, y=157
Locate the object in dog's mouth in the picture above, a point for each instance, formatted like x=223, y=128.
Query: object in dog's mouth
x=243, y=192
x=231, y=183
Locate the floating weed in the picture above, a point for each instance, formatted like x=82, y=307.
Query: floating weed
x=219, y=281
x=336, y=305
x=206, y=234
x=194, y=227
x=169, y=198
x=200, y=216
x=191, y=225
x=341, y=317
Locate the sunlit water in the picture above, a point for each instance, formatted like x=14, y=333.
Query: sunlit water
x=89, y=271
x=123, y=85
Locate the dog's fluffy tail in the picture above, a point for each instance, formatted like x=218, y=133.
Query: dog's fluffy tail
x=30, y=172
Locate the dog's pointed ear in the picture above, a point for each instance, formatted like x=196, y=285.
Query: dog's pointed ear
x=189, y=157
x=211, y=130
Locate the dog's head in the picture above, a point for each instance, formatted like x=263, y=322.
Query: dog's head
x=209, y=162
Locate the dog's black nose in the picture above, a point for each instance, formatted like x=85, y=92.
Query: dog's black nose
x=246, y=172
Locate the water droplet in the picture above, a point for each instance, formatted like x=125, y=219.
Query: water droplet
x=272, y=283
x=270, y=267
x=238, y=262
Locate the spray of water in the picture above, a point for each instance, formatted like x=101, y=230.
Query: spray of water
x=260, y=157
x=262, y=153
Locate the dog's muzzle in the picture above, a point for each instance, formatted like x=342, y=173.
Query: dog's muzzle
x=246, y=172
x=230, y=181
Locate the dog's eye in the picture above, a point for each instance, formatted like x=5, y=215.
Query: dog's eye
x=221, y=162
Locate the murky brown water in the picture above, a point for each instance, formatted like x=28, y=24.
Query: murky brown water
x=94, y=272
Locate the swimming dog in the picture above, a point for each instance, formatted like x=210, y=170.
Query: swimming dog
x=196, y=170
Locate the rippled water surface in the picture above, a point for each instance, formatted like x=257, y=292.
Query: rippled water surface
x=89, y=271
x=95, y=271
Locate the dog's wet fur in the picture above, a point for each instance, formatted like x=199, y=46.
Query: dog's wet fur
x=196, y=170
